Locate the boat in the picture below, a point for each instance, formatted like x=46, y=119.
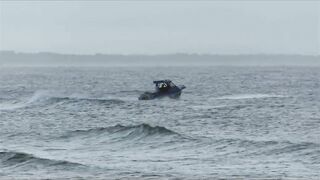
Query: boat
x=164, y=88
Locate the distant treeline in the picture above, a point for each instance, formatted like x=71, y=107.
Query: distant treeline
x=11, y=58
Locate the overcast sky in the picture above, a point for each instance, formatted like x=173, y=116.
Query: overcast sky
x=140, y=27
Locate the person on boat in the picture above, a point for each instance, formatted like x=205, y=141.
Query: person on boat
x=163, y=87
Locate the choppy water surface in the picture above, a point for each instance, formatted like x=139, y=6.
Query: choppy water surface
x=230, y=122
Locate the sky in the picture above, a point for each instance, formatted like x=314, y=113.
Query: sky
x=161, y=27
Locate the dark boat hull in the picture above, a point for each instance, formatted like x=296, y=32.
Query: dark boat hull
x=173, y=93
x=155, y=95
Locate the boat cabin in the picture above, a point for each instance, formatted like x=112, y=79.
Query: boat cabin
x=164, y=85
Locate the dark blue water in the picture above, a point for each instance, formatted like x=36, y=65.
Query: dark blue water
x=230, y=122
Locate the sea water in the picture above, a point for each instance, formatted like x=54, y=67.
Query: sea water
x=230, y=122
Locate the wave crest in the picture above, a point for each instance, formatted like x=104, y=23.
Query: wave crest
x=20, y=159
x=125, y=132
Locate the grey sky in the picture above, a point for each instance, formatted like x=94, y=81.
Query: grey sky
x=139, y=27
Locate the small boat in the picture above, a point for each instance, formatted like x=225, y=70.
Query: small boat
x=164, y=88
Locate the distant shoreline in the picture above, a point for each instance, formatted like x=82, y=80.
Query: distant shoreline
x=12, y=58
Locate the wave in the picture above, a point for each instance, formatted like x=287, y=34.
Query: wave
x=11, y=106
x=18, y=105
x=118, y=131
x=49, y=97
x=46, y=97
x=37, y=96
x=24, y=160
x=289, y=147
x=248, y=96
x=271, y=147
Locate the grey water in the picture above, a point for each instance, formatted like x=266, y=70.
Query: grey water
x=230, y=122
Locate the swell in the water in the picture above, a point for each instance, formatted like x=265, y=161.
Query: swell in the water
x=129, y=132
x=272, y=147
x=25, y=160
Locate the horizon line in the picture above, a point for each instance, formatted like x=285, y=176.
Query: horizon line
x=158, y=54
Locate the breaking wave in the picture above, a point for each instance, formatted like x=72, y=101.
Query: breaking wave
x=44, y=97
x=11, y=106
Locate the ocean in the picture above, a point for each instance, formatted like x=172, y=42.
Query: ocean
x=229, y=123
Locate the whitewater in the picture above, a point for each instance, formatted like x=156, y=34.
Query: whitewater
x=229, y=123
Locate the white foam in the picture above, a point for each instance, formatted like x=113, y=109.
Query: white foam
x=24, y=103
x=249, y=96
x=207, y=107
x=8, y=106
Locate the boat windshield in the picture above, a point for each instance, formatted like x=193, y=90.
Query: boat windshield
x=172, y=85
